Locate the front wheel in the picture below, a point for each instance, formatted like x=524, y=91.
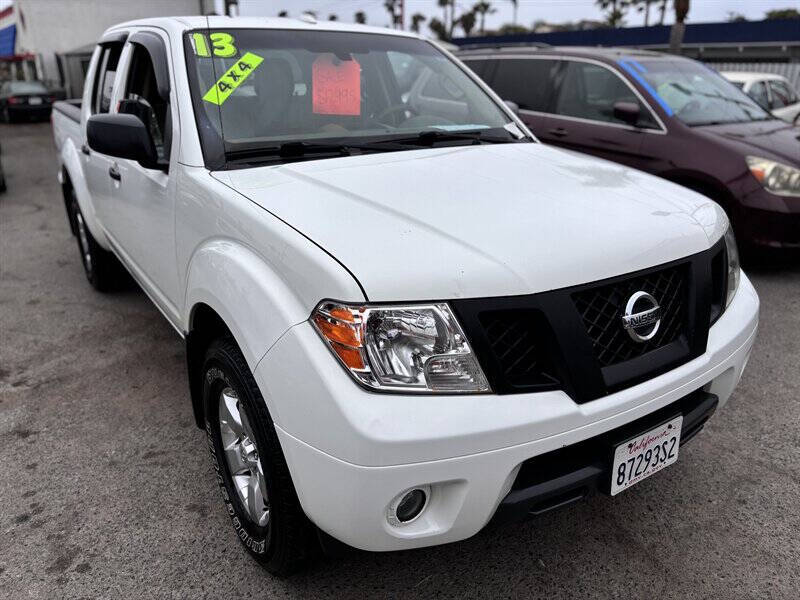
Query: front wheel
x=250, y=467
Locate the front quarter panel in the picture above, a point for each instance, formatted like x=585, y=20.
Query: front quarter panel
x=260, y=275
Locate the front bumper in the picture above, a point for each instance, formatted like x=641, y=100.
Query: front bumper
x=351, y=452
x=767, y=220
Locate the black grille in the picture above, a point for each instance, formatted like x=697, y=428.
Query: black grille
x=573, y=338
x=601, y=309
x=516, y=338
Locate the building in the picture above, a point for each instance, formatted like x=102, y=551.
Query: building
x=48, y=40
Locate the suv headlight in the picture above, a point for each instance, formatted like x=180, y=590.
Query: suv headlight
x=774, y=176
x=734, y=267
x=404, y=348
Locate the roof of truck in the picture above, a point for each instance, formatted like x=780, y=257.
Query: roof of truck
x=177, y=24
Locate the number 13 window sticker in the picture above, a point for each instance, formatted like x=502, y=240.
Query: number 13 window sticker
x=222, y=46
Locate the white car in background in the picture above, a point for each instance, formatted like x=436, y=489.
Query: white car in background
x=773, y=92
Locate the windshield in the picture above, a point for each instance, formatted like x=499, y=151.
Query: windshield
x=28, y=87
x=696, y=94
x=261, y=88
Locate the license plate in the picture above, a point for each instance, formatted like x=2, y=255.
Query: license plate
x=34, y=101
x=647, y=453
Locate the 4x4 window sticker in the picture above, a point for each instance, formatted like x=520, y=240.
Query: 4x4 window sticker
x=628, y=65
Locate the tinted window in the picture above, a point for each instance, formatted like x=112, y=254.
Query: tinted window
x=758, y=92
x=142, y=90
x=782, y=94
x=480, y=67
x=739, y=84
x=528, y=82
x=106, y=75
x=589, y=91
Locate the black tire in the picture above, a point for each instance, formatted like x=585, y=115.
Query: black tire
x=102, y=268
x=288, y=540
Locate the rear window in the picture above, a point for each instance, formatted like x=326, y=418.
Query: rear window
x=28, y=87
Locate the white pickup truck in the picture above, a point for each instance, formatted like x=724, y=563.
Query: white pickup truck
x=404, y=317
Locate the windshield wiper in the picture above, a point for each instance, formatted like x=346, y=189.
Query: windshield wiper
x=292, y=151
x=432, y=136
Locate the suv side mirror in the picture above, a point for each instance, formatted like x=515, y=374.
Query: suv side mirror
x=627, y=112
x=512, y=106
x=122, y=136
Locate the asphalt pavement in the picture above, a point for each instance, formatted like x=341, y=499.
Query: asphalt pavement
x=107, y=490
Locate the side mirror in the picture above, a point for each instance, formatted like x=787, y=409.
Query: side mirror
x=122, y=136
x=512, y=106
x=627, y=112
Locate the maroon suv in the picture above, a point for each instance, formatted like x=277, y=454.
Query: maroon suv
x=664, y=114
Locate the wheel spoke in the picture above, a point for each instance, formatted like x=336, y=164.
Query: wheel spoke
x=229, y=415
x=233, y=455
x=255, y=501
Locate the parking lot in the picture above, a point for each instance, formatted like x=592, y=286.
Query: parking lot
x=107, y=489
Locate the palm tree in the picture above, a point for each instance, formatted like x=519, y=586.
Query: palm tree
x=616, y=11
x=678, y=29
x=483, y=9
x=644, y=6
x=663, y=9
x=361, y=17
x=416, y=20
x=393, y=8
x=515, y=3
x=467, y=22
x=439, y=28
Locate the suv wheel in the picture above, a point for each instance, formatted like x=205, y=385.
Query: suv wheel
x=250, y=467
x=101, y=267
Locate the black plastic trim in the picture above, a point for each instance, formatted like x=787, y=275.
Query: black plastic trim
x=154, y=44
x=566, y=475
x=569, y=345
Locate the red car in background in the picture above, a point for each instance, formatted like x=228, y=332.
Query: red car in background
x=664, y=114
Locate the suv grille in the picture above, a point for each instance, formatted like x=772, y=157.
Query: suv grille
x=601, y=309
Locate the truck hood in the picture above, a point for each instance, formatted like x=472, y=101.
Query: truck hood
x=488, y=220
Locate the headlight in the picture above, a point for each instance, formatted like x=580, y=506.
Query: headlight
x=774, y=176
x=734, y=268
x=408, y=348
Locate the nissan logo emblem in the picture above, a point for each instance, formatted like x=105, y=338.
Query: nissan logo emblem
x=642, y=317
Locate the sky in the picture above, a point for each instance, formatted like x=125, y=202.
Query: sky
x=552, y=11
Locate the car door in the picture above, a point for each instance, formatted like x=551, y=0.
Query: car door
x=97, y=100
x=142, y=226
x=581, y=114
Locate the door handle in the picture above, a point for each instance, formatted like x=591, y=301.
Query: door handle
x=85, y=149
x=558, y=132
x=113, y=172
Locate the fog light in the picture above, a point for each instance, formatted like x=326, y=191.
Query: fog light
x=406, y=507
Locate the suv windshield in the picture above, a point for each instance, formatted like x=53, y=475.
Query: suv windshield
x=260, y=91
x=696, y=94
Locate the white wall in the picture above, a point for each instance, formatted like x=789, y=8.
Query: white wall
x=56, y=26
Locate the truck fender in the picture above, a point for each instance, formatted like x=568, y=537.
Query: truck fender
x=253, y=301
x=73, y=168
